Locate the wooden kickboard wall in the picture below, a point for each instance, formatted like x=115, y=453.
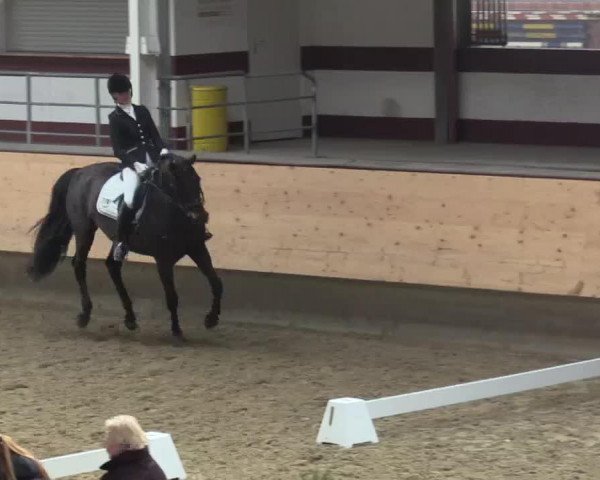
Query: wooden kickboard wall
x=514, y=234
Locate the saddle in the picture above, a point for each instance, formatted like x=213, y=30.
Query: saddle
x=112, y=193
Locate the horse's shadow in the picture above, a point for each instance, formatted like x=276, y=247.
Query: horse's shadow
x=118, y=333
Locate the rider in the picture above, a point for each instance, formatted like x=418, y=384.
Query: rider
x=137, y=143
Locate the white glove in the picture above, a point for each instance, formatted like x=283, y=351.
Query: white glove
x=139, y=167
x=164, y=152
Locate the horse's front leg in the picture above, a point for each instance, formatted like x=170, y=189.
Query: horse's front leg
x=165, y=270
x=201, y=257
x=114, y=269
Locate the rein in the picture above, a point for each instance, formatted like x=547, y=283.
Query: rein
x=148, y=179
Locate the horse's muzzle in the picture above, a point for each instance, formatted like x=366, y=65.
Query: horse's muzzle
x=197, y=214
x=194, y=216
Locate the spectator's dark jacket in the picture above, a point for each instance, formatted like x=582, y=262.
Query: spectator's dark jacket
x=133, y=465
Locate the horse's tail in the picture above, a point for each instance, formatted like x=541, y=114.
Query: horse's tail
x=54, y=231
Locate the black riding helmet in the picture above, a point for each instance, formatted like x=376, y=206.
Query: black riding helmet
x=118, y=83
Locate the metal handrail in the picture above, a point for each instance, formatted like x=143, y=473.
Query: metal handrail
x=29, y=104
x=53, y=104
x=238, y=104
x=245, y=120
x=17, y=73
x=97, y=106
x=197, y=76
x=56, y=134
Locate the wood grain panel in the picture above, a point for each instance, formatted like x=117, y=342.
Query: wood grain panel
x=515, y=234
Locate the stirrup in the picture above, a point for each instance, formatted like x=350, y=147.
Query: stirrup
x=120, y=252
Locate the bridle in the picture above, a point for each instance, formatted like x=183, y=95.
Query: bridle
x=192, y=210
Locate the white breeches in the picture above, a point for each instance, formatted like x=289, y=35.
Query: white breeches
x=131, y=182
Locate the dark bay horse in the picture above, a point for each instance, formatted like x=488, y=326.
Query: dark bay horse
x=171, y=226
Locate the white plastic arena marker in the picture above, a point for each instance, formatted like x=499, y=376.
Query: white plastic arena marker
x=161, y=447
x=349, y=421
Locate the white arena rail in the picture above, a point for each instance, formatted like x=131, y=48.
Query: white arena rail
x=349, y=421
x=162, y=450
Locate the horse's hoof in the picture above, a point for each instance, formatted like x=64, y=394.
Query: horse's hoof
x=178, y=339
x=83, y=319
x=211, y=320
x=131, y=324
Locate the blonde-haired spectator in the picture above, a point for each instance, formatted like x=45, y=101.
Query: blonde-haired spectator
x=127, y=447
x=18, y=463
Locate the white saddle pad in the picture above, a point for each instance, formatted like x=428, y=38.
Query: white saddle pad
x=110, y=197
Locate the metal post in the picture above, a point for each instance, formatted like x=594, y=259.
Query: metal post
x=463, y=23
x=135, y=48
x=315, y=126
x=190, y=113
x=189, y=130
x=246, y=127
x=164, y=69
x=246, y=121
x=3, y=22
x=97, y=107
x=445, y=70
x=164, y=101
x=28, y=100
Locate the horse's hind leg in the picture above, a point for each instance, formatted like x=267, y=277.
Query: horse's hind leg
x=83, y=243
x=201, y=257
x=165, y=270
x=114, y=269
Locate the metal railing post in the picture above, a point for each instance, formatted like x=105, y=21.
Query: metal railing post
x=314, y=133
x=164, y=68
x=29, y=108
x=246, y=119
x=189, y=130
x=314, y=122
x=246, y=123
x=190, y=112
x=164, y=111
x=97, y=108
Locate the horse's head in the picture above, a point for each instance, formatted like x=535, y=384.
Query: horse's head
x=181, y=182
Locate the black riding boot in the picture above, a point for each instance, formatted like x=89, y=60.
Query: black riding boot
x=125, y=223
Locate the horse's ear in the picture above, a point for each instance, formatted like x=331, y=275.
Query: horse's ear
x=192, y=159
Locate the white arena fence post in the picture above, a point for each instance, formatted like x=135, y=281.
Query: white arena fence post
x=162, y=449
x=349, y=421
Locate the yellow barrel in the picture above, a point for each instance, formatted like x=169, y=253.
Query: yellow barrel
x=209, y=121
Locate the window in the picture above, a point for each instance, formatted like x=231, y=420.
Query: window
x=66, y=26
x=488, y=22
x=536, y=24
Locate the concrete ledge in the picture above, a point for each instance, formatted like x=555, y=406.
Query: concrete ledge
x=529, y=161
